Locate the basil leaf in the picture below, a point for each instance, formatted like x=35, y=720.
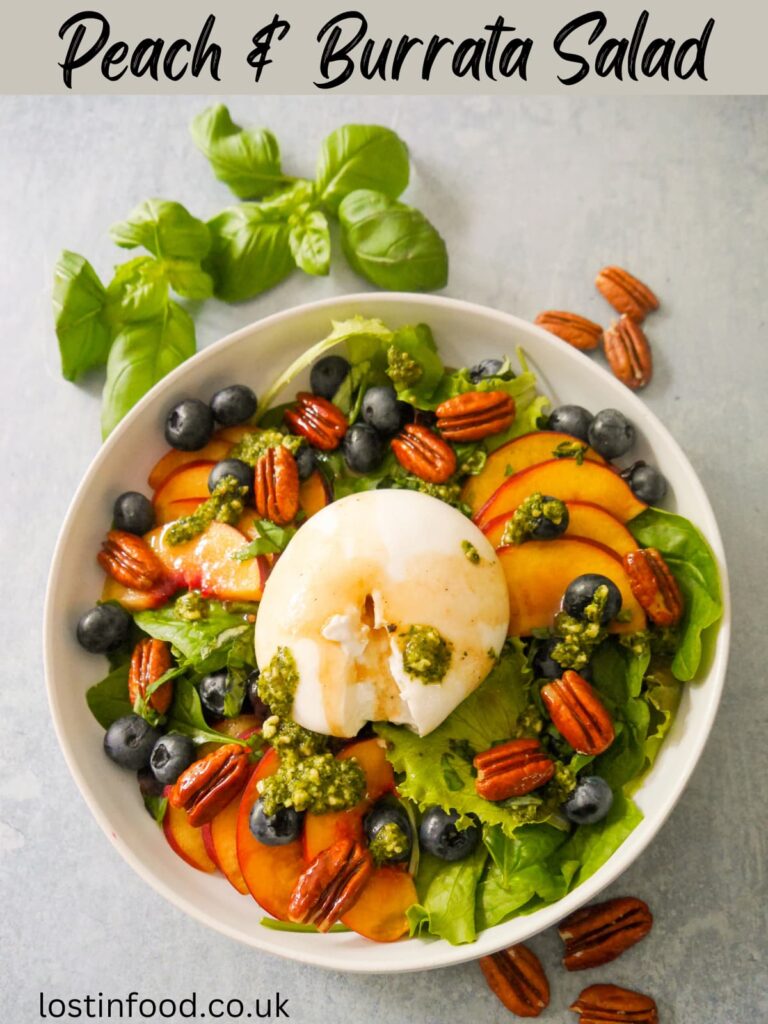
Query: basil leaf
x=166, y=229
x=250, y=252
x=186, y=716
x=359, y=156
x=310, y=242
x=203, y=643
x=138, y=291
x=247, y=160
x=391, y=244
x=694, y=566
x=141, y=355
x=108, y=699
x=188, y=279
x=157, y=806
x=272, y=540
x=79, y=299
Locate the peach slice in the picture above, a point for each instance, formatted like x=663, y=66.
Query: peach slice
x=314, y=494
x=587, y=521
x=223, y=833
x=569, y=481
x=379, y=913
x=176, y=509
x=205, y=563
x=186, y=841
x=513, y=457
x=137, y=600
x=205, y=831
x=233, y=435
x=539, y=571
x=269, y=872
x=174, y=459
x=190, y=481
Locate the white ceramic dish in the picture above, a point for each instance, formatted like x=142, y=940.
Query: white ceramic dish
x=254, y=356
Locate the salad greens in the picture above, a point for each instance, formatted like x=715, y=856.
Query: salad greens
x=241, y=252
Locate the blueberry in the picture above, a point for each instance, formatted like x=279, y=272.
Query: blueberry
x=104, y=628
x=233, y=405
x=386, y=813
x=439, y=836
x=589, y=802
x=382, y=409
x=545, y=667
x=547, y=529
x=277, y=829
x=571, y=419
x=258, y=708
x=306, y=461
x=129, y=741
x=327, y=375
x=611, y=434
x=134, y=513
x=581, y=592
x=189, y=425
x=171, y=755
x=647, y=483
x=486, y=368
x=241, y=471
x=214, y=690
x=363, y=448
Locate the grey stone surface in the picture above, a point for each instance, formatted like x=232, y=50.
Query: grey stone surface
x=533, y=196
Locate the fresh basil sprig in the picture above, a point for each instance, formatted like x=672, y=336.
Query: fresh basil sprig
x=134, y=326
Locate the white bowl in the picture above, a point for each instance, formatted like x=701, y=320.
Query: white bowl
x=254, y=355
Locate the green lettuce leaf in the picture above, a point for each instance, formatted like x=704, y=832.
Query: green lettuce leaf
x=438, y=767
x=693, y=563
x=663, y=693
x=417, y=342
x=447, y=897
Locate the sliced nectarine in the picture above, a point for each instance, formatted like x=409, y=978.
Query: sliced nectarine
x=174, y=459
x=539, y=571
x=233, y=435
x=223, y=833
x=270, y=872
x=205, y=563
x=314, y=494
x=190, y=481
x=584, y=520
x=176, y=509
x=513, y=457
x=186, y=841
x=569, y=481
x=379, y=913
x=137, y=600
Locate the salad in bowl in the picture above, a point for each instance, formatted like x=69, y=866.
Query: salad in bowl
x=393, y=645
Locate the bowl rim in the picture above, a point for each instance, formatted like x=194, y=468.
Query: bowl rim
x=329, y=955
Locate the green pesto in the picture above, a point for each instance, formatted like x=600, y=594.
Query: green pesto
x=579, y=637
x=390, y=843
x=638, y=643
x=225, y=505
x=473, y=463
x=318, y=783
x=191, y=606
x=570, y=450
x=471, y=553
x=285, y=734
x=402, y=368
x=278, y=682
x=426, y=654
x=529, y=514
x=450, y=493
x=562, y=783
x=253, y=446
x=531, y=722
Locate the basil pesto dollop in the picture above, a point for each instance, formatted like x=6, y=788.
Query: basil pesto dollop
x=537, y=516
x=426, y=653
x=401, y=368
x=225, y=505
x=254, y=445
x=579, y=637
x=389, y=844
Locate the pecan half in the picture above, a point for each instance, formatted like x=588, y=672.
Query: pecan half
x=276, y=486
x=423, y=453
x=130, y=560
x=317, y=419
x=516, y=977
x=654, y=586
x=512, y=769
x=208, y=785
x=598, y=934
x=578, y=713
x=331, y=884
x=583, y=334
x=626, y=293
x=628, y=353
x=475, y=415
x=150, y=660
x=609, y=1004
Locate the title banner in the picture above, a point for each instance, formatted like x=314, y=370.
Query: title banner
x=386, y=46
